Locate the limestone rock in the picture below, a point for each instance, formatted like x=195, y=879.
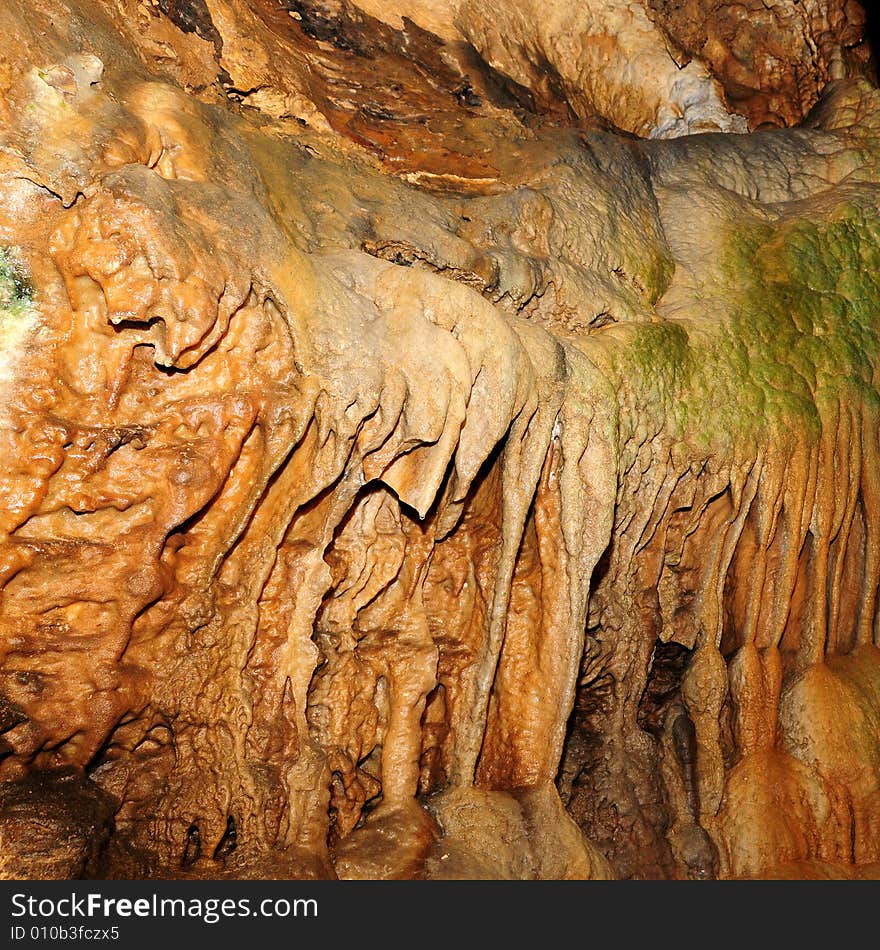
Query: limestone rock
x=421, y=456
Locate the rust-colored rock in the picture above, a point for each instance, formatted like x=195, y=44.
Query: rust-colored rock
x=414, y=467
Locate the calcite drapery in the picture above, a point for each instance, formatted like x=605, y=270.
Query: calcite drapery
x=393, y=452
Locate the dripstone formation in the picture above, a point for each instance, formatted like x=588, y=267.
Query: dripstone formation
x=439, y=439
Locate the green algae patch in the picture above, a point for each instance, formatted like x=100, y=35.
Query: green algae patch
x=789, y=330
x=17, y=309
x=809, y=311
x=16, y=290
x=660, y=361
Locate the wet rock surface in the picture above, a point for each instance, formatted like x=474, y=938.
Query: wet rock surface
x=422, y=456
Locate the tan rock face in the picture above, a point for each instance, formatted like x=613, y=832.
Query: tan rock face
x=405, y=474
x=771, y=59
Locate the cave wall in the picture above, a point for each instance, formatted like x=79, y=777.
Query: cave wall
x=423, y=457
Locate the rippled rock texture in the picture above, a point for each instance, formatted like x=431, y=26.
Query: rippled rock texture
x=421, y=456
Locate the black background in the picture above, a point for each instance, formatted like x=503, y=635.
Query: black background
x=462, y=914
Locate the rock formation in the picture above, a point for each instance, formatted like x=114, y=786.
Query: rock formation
x=423, y=454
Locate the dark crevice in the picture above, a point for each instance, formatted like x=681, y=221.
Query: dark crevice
x=664, y=683
x=229, y=842
x=192, y=848
x=872, y=29
x=193, y=16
